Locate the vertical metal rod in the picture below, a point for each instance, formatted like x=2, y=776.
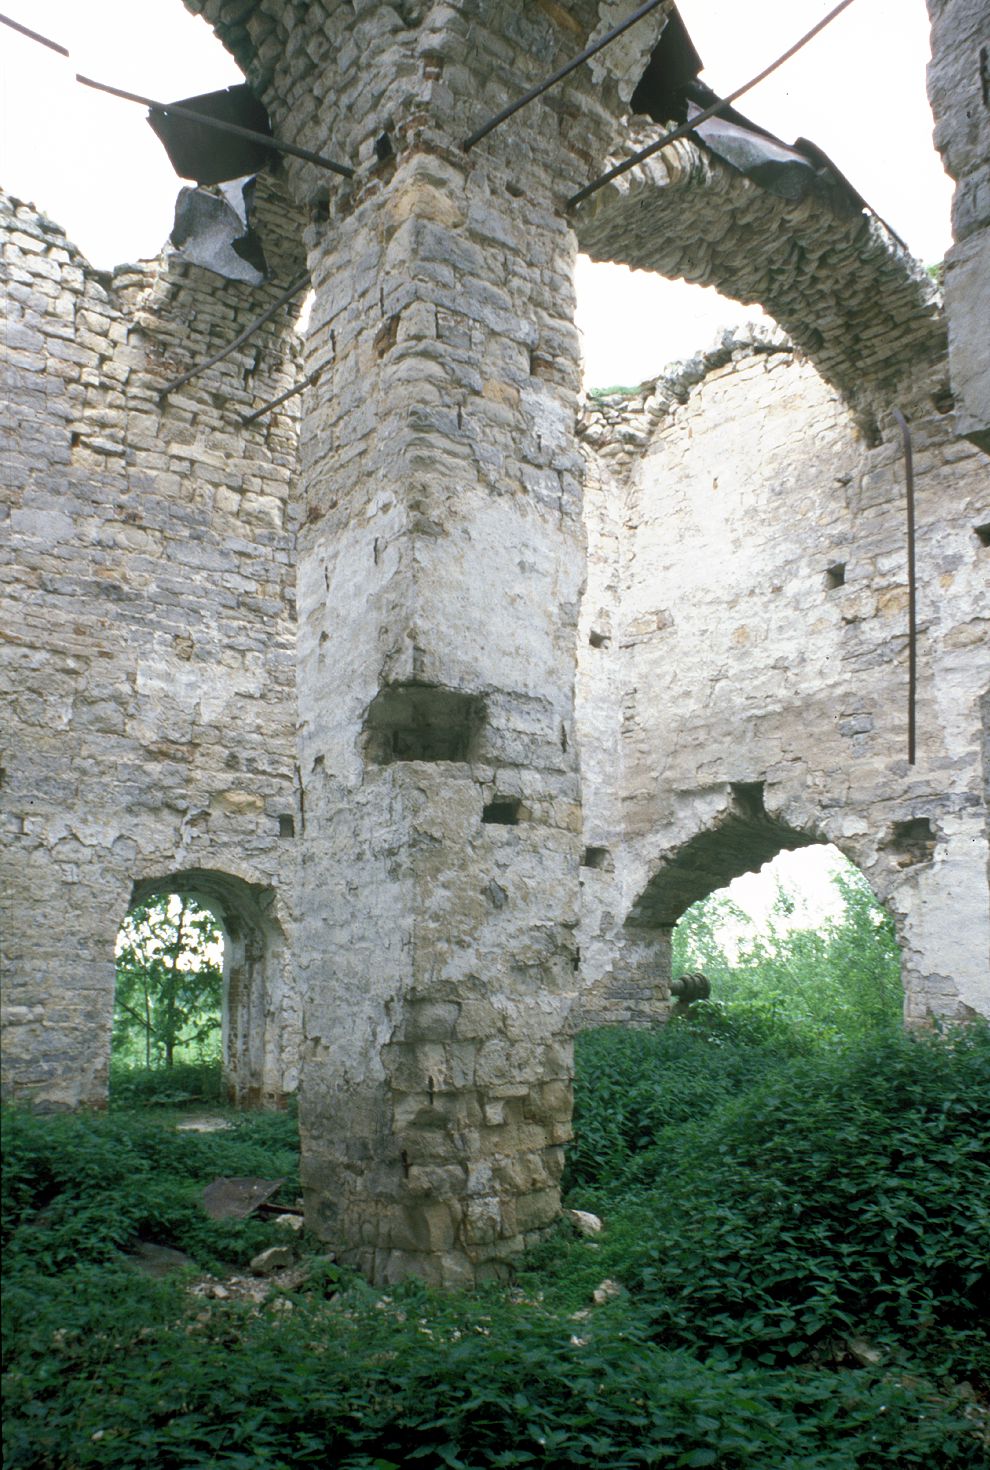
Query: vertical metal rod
x=688, y=127
x=559, y=76
x=902, y=424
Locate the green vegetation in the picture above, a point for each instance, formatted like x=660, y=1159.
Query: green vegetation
x=839, y=980
x=797, y=1212
x=616, y=391
x=169, y=986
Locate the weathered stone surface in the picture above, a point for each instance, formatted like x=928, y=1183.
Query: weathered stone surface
x=148, y=668
x=432, y=860
x=959, y=91
x=752, y=694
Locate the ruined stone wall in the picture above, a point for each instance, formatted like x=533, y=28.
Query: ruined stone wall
x=148, y=632
x=959, y=91
x=732, y=699
x=759, y=647
x=440, y=566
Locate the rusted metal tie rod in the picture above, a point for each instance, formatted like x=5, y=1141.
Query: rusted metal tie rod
x=687, y=128
x=15, y=25
x=902, y=424
x=559, y=76
x=299, y=387
x=299, y=284
x=275, y=144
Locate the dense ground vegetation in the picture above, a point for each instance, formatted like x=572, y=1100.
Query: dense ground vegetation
x=797, y=1224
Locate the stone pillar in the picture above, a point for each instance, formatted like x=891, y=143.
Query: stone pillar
x=959, y=90
x=440, y=570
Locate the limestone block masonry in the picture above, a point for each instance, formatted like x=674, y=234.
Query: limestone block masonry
x=381, y=793
x=440, y=565
x=959, y=91
x=747, y=569
x=148, y=633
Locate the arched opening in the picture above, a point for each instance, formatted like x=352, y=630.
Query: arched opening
x=168, y=994
x=202, y=979
x=802, y=973
x=773, y=917
x=803, y=943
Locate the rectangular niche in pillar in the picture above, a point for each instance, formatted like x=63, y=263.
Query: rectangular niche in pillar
x=422, y=722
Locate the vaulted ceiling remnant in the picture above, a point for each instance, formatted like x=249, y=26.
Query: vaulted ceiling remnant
x=765, y=222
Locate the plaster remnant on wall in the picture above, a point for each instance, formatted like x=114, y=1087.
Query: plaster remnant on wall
x=719, y=491
x=320, y=668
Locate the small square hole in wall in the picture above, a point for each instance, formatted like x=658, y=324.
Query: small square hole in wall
x=597, y=638
x=286, y=825
x=915, y=839
x=835, y=576
x=983, y=534
x=503, y=811
x=747, y=798
x=596, y=857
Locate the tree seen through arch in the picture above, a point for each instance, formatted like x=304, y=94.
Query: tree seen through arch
x=825, y=954
x=169, y=983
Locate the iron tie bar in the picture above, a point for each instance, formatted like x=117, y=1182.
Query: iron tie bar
x=687, y=128
x=299, y=387
x=275, y=144
x=559, y=76
x=15, y=25
x=298, y=285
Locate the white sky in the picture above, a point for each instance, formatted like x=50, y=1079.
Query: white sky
x=858, y=91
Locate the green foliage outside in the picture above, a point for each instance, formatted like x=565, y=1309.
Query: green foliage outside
x=169, y=987
x=840, y=979
x=617, y=389
x=798, y=1216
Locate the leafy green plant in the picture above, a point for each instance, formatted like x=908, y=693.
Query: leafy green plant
x=169, y=985
x=838, y=979
x=768, y=1197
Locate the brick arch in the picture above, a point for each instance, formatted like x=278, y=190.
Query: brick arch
x=254, y=960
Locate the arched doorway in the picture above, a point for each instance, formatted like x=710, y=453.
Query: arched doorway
x=168, y=997
x=804, y=942
x=686, y=917
x=212, y=947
